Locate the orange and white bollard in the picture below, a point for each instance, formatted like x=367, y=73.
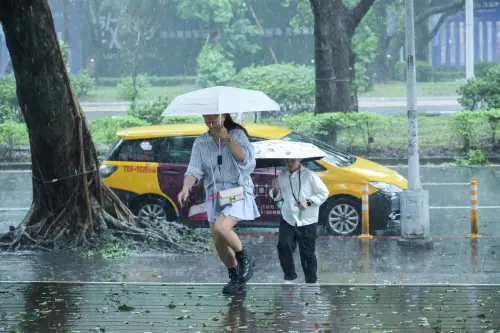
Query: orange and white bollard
x=366, y=258
x=365, y=215
x=474, y=229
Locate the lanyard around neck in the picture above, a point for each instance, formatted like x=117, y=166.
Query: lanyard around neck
x=291, y=188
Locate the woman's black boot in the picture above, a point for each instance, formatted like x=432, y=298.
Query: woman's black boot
x=235, y=284
x=246, y=265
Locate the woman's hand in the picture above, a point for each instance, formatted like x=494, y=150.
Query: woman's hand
x=221, y=132
x=183, y=197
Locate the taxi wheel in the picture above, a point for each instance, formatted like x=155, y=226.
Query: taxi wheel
x=154, y=211
x=342, y=216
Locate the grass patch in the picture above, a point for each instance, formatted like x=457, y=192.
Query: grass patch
x=110, y=94
x=424, y=89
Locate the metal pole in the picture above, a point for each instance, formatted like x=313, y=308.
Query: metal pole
x=414, y=201
x=411, y=99
x=469, y=39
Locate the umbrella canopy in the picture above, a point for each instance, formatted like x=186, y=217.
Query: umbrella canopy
x=220, y=100
x=271, y=153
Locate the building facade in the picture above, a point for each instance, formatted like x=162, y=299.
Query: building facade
x=448, y=46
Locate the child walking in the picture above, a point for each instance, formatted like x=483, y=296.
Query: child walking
x=302, y=192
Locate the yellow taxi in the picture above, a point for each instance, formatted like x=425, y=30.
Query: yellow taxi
x=146, y=168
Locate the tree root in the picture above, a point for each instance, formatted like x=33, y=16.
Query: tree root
x=55, y=233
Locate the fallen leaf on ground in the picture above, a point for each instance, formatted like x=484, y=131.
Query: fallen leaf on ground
x=125, y=307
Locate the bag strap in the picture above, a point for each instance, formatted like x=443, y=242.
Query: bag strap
x=240, y=177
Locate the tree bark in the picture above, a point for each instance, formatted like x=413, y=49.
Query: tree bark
x=71, y=207
x=334, y=27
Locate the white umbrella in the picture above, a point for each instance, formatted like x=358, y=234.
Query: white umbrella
x=271, y=153
x=220, y=100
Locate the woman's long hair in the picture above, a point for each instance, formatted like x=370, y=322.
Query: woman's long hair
x=230, y=124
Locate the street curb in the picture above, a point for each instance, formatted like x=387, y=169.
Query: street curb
x=434, y=161
x=389, y=162
x=15, y=166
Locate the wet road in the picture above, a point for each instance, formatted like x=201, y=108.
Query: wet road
x=340, y=261
x=448, y=187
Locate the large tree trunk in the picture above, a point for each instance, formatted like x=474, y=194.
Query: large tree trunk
x=323, y=56
x=71, y=206
x=334, y=27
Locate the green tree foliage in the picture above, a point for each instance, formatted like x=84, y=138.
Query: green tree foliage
x=290, y=85
x=215, y=66
x=229, y=28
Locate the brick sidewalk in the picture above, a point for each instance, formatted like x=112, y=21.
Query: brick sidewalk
x=139, y=308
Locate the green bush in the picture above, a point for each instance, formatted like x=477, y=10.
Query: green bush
x=369, y=125
x=466, y=126
x=350, y=125
x=82, y=83
x=482, y=68
x=399, y=71
x=362, y=80
x=7, y=113
x=449, y=74
x=150, y=112
x=493, y=131
x=480, y=93
x=181, y=120
x=13, y=134
x=477, y=129
x=476, y=157
x=155, y=81
x=65, y=51
x=8, y=90
x=165, y=81
x=425, y=72
x=215, y=66
x=289, y=85
x=131, y=90
x=108, y=81
x=104, y=130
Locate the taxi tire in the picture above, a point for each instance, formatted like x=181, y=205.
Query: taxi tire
x=343, y=200
x=169, y=211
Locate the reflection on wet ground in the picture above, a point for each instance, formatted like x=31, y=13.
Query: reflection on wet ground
x=381, y=260
x=182, y=308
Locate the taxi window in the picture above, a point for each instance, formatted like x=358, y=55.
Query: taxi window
x=176, y=150
x=137, y=151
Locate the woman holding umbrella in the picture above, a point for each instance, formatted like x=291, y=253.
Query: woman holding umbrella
x=223, y=158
